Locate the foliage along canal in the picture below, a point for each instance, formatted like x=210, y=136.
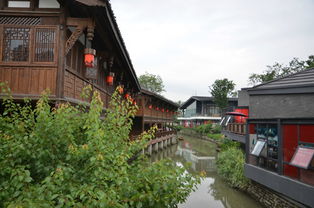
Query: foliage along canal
x=213, y=191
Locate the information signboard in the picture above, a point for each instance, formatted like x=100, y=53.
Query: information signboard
x=258, y=148
x=302, y=157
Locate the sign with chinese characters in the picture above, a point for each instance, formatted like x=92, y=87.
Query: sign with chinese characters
x=302, y=157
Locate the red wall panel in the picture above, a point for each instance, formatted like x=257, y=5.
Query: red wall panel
x=290, y=141
x=290, y=171
x=307, y=176
x=307, y=133
x=252, y=128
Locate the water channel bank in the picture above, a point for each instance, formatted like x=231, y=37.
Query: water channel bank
x=213, y=191
x=260, y=193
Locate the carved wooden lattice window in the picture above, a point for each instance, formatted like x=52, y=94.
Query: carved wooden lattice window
x=16, y=44
x=45, y=41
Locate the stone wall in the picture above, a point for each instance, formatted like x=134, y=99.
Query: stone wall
x=269, y=198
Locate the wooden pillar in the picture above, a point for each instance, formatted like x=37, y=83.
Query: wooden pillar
x=61, y=57
x=142, y=104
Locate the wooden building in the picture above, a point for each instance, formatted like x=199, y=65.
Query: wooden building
x=153, y=110
x=62, y=46
x=280, y=136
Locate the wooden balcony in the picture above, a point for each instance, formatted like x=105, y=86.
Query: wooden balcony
x=158, y=135
x=236, y=128
x=153, y=113
x=164, y=133
x=235, y=131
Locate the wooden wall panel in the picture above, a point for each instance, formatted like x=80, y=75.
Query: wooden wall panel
x=29, y=80
x=69, y=87
x=79, y=84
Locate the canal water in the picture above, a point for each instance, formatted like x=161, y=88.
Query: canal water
x=213, y=191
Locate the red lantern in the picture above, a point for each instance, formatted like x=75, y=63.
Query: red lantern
x=127, y=96
x=150, y=106
x=167, y=110
x=157, y=108
x=162, y=110
x=109, y=79
x=89, y=57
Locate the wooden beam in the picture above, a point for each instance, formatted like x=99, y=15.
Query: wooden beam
x=74, y=22
x=73, y=38
x=80, y=25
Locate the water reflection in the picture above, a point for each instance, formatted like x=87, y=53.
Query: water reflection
x=212, y=192
x=198, y=163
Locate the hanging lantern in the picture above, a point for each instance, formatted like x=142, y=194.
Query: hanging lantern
x=150, y=106
x=157, y=108
x=109, y=78
x=162, y=110
x=167, y=111
x=89, y=57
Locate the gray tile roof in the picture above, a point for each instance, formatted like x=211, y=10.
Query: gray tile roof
x=303, y=79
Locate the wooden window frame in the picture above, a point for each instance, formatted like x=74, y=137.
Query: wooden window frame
x=29, y=44
x=31, y=59
x=55, y=51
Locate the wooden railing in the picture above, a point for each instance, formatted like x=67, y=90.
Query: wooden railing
x=157, y=134
x=164, y=133
x=236, y=128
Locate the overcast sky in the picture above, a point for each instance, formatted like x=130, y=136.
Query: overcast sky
x=191, y=43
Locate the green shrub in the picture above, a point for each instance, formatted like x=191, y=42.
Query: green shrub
x=204, y=129
x=68, y=157
x=217, y=137
x=227, y=143
x=216, y=129
x=230, y=165
x=176, y=127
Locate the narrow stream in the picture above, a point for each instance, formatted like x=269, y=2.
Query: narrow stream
x=213, y=191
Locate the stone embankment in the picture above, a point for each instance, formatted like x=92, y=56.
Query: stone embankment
x=269, y=198
x=262, y=194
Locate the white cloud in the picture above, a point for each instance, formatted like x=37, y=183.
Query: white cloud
x=192, y=43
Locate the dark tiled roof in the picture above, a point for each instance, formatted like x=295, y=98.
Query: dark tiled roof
x=108, y=12
x=92, y=2
x=147, y=92
x=202, y=99
x=303, y=79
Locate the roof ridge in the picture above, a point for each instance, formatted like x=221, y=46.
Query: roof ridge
x=283, y=77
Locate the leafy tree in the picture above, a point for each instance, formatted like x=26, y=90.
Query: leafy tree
x=278, y=70
x=68, y=157
x=152, y=83
x=221, y=90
